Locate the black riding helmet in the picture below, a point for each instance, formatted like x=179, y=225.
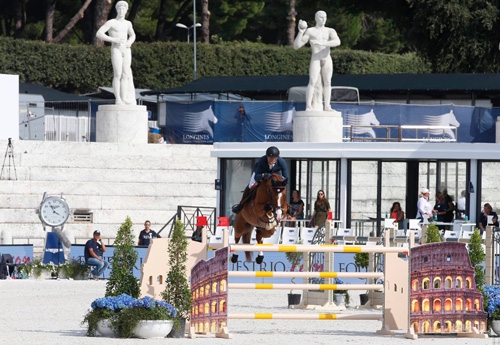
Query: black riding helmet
x=272, y=151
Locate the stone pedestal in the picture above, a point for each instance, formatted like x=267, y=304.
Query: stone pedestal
x=122, y=124
x=317, y=126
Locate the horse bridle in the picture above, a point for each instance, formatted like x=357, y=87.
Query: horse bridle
x=269, y=191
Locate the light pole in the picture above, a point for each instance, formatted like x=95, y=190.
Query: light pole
x=179, y=25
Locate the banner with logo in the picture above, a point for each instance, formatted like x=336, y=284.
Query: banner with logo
x=222, y=121
x=190, y=123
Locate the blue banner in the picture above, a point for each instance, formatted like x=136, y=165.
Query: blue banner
x=77, y=253
x=220, y=121
x=191, y=123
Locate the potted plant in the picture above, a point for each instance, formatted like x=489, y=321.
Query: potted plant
x=362, y=260
x=177, y=290
x=74, y=269
x=491, y=295
x=37, y=269
x=125, y=316
x=294, y=258
x=341, y=296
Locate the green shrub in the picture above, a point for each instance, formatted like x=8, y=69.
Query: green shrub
x=83, y=68
x=121, y=279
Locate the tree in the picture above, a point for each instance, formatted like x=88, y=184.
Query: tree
x=476, y=256
x=205, y=22
x=432, y=235
x=72, y=22
x=101, y=11
x=122, y=280
x=291, y=23
x=177, y=291
x=456, y=36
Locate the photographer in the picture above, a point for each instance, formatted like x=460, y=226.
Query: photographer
x=94, y=249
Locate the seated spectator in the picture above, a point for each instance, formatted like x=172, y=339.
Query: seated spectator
x=483, y=219
x=295, y=207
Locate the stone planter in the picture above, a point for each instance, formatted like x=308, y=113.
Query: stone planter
x=180, y=331
x=495, y=326
x=104, y=328
x=339, y=299
x=153, y=328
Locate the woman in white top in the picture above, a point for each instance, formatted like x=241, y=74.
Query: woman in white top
x=424, y=207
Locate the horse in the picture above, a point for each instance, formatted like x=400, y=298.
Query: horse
x=263, y=211
x=200, y=122
x=368, y=119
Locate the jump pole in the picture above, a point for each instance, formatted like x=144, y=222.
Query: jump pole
x=396, y=281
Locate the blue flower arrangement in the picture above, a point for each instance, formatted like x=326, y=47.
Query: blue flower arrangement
x=491, y=295
x=124, y=313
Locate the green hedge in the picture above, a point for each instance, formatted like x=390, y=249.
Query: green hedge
x=81, y=69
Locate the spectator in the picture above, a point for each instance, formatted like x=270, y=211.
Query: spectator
x=321, y=209
x=483, y=219
x=94, y=249
x=146, y=234
x=424, y=207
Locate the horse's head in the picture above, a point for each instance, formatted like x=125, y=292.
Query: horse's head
x=276, y=193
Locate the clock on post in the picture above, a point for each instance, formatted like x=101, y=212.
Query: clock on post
x=53, y=211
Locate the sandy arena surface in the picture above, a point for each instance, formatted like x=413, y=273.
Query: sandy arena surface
x=51, y=311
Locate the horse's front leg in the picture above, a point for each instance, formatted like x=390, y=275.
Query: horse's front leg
x=271, y=219
x=260, y=256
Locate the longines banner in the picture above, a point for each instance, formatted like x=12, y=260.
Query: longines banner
x=220, y=121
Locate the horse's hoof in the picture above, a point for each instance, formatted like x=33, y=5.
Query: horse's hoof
x=234, y=258
x=259, y=259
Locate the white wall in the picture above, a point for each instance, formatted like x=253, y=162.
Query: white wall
x=9, y=99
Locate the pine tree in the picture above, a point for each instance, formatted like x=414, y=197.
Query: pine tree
x=177, y=291
x=122, y=280
x=476, y=255
x=432, y=235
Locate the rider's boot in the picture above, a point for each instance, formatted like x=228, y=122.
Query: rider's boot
x=238, y=207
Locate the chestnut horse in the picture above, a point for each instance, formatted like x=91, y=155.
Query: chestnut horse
x=263, y=211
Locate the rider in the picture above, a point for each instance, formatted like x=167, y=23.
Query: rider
x=264, y=168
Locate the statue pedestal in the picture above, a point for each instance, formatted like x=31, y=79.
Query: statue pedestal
x=122, y=124
x=317, y=126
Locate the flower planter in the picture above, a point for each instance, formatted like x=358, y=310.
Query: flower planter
x=104, y=328
x=180, y=331
x=153, y=328
x=495, y=326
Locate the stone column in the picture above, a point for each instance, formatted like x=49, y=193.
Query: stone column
x=122, y=124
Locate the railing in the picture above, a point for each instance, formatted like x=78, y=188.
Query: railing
x=433, y=133
x=188, y=214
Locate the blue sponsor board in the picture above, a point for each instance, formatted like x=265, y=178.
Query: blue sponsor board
x=77, y=253
x=217, y=121
x=21, y=254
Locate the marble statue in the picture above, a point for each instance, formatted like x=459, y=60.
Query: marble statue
x=321, y=40
x=121, y=35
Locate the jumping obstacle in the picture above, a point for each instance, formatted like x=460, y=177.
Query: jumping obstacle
x=395, y=314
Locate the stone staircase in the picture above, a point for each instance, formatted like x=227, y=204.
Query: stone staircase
x=103, y=183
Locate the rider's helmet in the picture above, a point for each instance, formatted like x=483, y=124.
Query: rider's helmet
x=272, y=152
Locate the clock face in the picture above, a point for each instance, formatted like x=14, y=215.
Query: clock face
x=54, y=211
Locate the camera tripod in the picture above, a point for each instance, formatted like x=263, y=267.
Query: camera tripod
x=9, y=152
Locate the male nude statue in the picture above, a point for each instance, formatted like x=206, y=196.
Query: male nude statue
x=321, y=40
x=121, y=35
